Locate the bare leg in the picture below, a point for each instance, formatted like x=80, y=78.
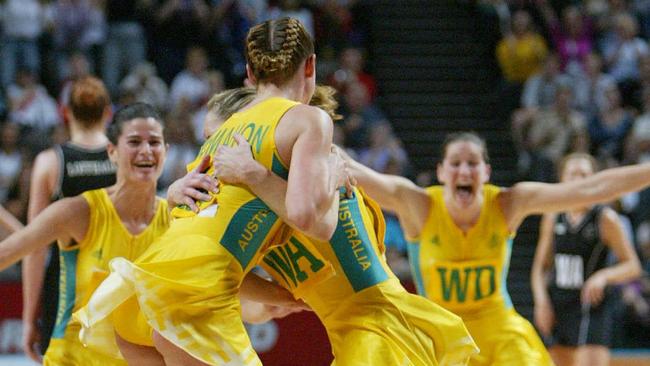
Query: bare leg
x=593, y=355
x=136, y=354
x=564, y=356
x=173, y=355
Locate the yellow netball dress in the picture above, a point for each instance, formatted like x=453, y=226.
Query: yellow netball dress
x=369, y=317
x=466, y=273
x=84, y=265
x=187, y=282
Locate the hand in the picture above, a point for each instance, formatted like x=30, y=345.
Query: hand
x=31, y=341
x=236, y=165
x=193, y=187
x=593, y=291
x=340, y=171
x=544, y=317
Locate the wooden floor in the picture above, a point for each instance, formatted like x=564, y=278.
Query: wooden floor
x=630, y=358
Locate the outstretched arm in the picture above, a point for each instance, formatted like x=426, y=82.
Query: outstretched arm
x=65, y=219
x=394, y=193
x=543, y=314
x=528, y=198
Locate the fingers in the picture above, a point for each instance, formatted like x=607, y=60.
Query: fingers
x=241, y=141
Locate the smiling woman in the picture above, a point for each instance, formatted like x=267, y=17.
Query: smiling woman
x=99, y=225
x=461, y=235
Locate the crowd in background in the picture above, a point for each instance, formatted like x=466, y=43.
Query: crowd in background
x=575, y=77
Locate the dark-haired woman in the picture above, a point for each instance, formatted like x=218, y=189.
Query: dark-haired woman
x=98, y=225
x=461, y=235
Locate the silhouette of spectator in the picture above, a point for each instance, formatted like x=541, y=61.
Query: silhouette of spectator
x=590, y=90
x=191, y=85
x=539, y=89
x=126, y=44
x=145, y=86
x=609, y=128
x=572, y=39
x=21, y=24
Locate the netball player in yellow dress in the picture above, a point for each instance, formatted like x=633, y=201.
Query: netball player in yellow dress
x=98, y=225
x=187, y=282
x=369, y=317
x=461, y=235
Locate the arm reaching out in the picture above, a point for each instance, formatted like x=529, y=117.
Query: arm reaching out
x=528, y=198
x=394, y=193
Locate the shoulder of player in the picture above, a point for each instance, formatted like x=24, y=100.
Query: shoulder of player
x=46, y=167
x=302, y=113
x=72, y=206
x=47, y=160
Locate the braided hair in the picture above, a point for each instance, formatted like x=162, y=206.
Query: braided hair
x=276, y=48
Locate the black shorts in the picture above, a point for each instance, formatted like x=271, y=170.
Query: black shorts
x=577, y=326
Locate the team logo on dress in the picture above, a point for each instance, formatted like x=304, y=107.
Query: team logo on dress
x=435, y=240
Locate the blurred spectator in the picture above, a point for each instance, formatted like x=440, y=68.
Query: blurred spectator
x=182, y=148
x=638, y=144
x=573, y=39
x=145, y=86
x=178, y=24
x=216, y=85
x=384, y=151
x=539, y=89
x=228, y=26
x=33, y=109
x=522, y=52
x=622, y=50
x=351, y=64
x=126, y=46
x=338, y=139
x=520, y=55
x=609, y=128
x=22, y=23
x=641, y=8
x=544, y=136
x=10, y=159
x=191, y=86
x=360, y=115
x=78, y=26
x=79, y=68
x=293, y=9
x=589, y=90
x=333, y=27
